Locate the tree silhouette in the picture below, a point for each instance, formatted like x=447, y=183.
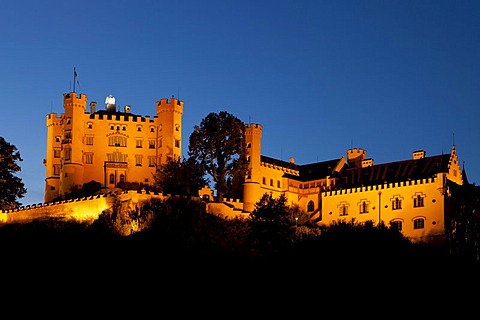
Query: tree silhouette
x=218, y=145
x=180, y=177
x=11, y=186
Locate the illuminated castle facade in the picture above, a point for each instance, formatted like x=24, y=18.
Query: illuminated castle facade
x=111, y=146
x=108, y=146
x=411, y=194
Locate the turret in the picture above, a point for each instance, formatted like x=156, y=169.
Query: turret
x=169, y=129
x=355, y=157
x=72, y=141
x=251, y=186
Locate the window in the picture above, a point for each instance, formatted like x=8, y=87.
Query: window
x=68, y=154
x=152, y=129
x=112, y=178
x=112, y=127
x=90, y=125
x=271, y=182
x=138, y=160
x=139, y=128
x=363, y=206
x=122, y=178
x=151, y=161
x=177, y=143
x=117, y=141
x=139, y=143
x=69, y=121
x=249, y=145
x=177, y=127
x=56, y=169
x=343, y=209
x=57, y=139
x=397, y=225
x=278, y=183
x=88, y=157
x=151, y=144
x=310, y=206
x=264, y=180
x=397, y=203
x=418, y=201
x=419, y=223
x=124, y=128
x=89, y=140
x=56, y=153
x=116, y=157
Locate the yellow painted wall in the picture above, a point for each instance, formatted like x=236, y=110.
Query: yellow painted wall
x=84, y=146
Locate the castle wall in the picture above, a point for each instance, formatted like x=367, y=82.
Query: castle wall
x=85, y=209
x=380, y=208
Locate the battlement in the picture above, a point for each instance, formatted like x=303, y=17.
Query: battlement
x=126, y=117
x=378, y=187
x=164, y=102
x=72, y=96
x=253, y=126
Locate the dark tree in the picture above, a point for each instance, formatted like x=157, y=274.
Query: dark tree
x=272, y=224
x=180, y=177
x=218, y=145
x=11, y=186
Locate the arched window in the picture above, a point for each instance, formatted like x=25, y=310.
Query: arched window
x=112, y=178
x=310, y=206
x=122, y=178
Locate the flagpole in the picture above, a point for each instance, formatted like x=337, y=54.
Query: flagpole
x=74, y=79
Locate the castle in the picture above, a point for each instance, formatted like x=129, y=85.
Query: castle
x=108, y=146
x=410, y=195
x=111, y=146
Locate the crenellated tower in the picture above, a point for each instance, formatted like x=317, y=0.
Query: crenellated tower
x=73, y=130
x=251, y=186
x=169, y=129
x=52, y=161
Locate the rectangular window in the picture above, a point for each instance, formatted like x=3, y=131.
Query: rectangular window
x=364, y=207
x=151, y=161
x=56, y=169
x=89, y=140
x=56, y=153
x=151, y=144
x=139, y=143
x=264, y=181
x=138, y=160
x=271, y=182
x=397, y=225
x=343, y=210
x=177, y=143
x=397, y=204
x=88, y=158
x=117, y=141
x=418, y=224
x=418, y=201
x=67, y=154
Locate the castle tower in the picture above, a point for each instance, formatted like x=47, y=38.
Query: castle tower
x=355, y=157
x=72, y=141
x=251, y=186
x=169, y=129
x=52, y=161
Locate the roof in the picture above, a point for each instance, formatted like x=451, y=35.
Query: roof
x=405, y=170
x=308, y=172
